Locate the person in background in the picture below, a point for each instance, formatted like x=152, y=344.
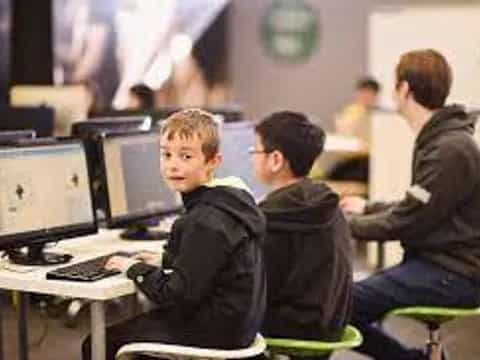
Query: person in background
x=438, y=219
x=354, y=120
x=140, y=97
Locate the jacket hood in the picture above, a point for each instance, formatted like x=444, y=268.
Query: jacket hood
x=305, y=207
x=230, y=181
x=233, y=200
x=449, y=118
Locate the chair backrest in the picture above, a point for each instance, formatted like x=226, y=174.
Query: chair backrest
x=169, y=351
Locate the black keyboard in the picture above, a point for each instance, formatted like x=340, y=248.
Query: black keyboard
x=89, y=270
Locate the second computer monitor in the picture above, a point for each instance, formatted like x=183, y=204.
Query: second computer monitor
x=134, y=185
x=236, y=139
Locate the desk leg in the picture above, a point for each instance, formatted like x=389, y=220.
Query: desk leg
x=2, y=307
x=23, y=301
x=381, y=255
x=98, y=326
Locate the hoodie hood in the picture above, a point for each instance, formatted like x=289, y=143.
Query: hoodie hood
x=232, y=199
x=230, y=181
x=449, y=118
x=304, y=207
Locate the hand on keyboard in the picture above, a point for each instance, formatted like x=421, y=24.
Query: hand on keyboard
x=120, y=263
x=149, y=257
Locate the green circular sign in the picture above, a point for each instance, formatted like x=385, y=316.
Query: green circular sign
x=289, y=30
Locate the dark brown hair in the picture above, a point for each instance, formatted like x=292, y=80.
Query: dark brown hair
x=428, y=75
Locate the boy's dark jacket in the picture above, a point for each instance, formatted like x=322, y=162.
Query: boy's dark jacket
x=308, y=260
x=439, y=218
x=212, y=286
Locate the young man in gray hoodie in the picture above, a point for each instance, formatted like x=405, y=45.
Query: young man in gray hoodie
x=438, y=220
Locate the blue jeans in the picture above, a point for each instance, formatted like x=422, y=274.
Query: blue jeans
x=414, y=282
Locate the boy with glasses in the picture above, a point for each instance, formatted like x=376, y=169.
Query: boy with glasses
x=307, y=250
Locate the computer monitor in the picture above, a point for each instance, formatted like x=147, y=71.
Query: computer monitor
x=69, y=102
x=40, y=119
x=135, y=188
x=226, y=114
x=45, y=196
x=101, y=125
x=13, y=137
x=236, y=139
x=155, y=114
x=91, y=132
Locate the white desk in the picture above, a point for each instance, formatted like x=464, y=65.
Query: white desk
x=345, y=144
x=105, y=242
x=338, y=148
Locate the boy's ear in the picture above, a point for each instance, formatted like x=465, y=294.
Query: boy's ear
x=404, y=88
x=278, y=161
x=216, y=160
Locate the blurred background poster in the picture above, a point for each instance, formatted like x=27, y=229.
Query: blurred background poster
x=110, y=45
x=5, y=21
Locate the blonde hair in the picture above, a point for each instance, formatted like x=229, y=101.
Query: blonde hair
x=190, y=122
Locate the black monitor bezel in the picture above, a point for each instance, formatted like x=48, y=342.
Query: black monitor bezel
x=12, y=137
x=130, y=219
x=54, y=234
x=230, y=114
x=25, y=118
x=100, y=125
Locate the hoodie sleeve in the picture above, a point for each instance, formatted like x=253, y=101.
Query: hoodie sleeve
x=191, y=275
x=443, y=179
x=378, y=206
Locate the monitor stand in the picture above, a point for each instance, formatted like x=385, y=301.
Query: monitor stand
x=36, y=256
x=142, y=232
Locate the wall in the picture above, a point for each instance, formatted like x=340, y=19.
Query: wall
x=319, y=86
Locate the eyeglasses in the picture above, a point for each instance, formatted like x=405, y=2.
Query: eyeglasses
x=251, y=150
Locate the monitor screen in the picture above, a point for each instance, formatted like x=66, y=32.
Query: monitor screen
x=135, y=187
x=39, y=119
x=236, y=139
x=44, y=194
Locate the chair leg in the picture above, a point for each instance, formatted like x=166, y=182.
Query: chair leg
x=445, y=354
x=434, y=345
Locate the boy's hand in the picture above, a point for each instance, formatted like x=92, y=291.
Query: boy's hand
x=120, y=263
x=149, y=257
x=353, y=205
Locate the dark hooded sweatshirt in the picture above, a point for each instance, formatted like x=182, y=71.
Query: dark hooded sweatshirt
x=211, y=289
x=308, y=260
x=439, y=218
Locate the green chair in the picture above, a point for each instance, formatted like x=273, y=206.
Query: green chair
x=351, y=338
x=433, y=318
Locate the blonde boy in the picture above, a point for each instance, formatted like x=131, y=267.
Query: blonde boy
x=210, y=288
